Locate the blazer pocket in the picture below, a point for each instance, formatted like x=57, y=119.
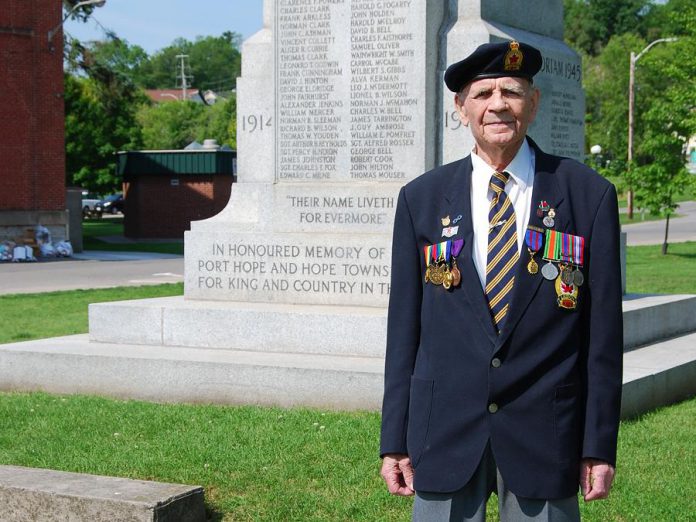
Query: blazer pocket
x=419, y=409
x=567, y=422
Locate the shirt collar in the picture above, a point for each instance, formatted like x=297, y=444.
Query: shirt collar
x=520, y=168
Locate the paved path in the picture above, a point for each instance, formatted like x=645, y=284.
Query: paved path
x=653, y=232
x=91, y=270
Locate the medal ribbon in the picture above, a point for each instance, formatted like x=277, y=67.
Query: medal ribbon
x=564, y=247
x=533, y=240
x=427, y=250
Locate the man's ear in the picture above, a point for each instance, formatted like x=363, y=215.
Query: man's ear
x=459, y=104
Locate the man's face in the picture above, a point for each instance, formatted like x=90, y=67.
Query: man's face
x=498, y=110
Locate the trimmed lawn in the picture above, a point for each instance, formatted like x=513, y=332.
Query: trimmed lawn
x=649, y=272
x=92, y=229
x=52, y=314
x=274, y=464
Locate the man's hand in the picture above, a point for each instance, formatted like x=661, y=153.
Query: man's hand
x=596, y=477
x=397, y=472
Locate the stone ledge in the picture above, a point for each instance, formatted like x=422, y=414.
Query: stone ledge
x=651, y=318
x=658, y=375
x=263, y=327
x=321, y=329
x=72, y=364
x=38, y=495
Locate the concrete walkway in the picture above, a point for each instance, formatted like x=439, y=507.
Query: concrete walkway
x=653, y=232
x=91, y=269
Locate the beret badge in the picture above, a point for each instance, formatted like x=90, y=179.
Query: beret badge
x=513, y=58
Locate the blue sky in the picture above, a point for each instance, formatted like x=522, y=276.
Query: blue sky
x=154, y=24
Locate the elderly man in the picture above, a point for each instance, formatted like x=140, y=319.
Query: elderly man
x=504, y=343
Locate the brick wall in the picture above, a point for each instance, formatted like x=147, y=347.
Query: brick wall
x=32, y=141
x=154, y=208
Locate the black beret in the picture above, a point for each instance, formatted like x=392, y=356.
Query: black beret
x=494, y=60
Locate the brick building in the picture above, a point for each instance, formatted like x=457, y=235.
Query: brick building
x=32, y=140
x=165, y=190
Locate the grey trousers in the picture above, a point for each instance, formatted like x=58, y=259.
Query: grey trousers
x=469, y=503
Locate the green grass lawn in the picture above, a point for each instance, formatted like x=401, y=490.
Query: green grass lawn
x=276, y=464
x=51, y=314
x=93, y=229
x=648, y=271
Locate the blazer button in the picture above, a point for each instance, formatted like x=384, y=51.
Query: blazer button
x=495, y=363
x=492, y=407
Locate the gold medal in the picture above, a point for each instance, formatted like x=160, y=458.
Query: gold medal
x=447, y=281
x=437, y=274
x=427, y=274
x=532, y=266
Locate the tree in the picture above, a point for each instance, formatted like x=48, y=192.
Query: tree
x=669, y=119
x=100, y=108
x=213, y=61
x=590, y=24
x=173, y=125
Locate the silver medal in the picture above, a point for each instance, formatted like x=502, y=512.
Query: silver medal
x=549, y=222
x=578, y=278
x=549, y=271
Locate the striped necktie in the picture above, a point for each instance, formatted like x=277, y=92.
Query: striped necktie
x=502, y=249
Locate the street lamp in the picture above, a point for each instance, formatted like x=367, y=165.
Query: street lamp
x=631, y=101
x=52, y=32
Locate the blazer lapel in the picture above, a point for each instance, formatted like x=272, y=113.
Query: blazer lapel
x=458, y=196
x=526, y=285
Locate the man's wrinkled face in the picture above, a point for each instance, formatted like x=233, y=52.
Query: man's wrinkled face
x=498, y=110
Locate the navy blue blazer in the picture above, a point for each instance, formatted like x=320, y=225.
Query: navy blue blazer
x=558, y=384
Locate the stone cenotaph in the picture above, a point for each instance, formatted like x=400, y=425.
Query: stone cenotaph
x=340, y=103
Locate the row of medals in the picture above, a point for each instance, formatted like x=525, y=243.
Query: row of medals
x=567, y=273
x=442, y=274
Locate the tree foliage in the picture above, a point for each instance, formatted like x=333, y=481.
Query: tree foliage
x=665, y=104
x=173, y=125
x=590, y=24
x=214, y=62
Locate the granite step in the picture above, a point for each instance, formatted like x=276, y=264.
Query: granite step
x=358, y=331
x=43, y=495
x=654, y=375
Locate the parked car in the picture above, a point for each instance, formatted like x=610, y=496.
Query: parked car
x=89, y=203
x=110, y=205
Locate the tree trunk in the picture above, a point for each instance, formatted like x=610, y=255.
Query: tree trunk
x=664, y=243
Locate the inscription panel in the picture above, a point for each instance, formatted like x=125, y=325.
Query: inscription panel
x=349, y=106
x=290, y=269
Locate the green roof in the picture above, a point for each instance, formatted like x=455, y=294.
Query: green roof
x=139, y=163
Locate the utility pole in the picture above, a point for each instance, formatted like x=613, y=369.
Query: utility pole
x=182, y=76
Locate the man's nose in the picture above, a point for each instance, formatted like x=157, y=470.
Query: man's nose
x=497, y=102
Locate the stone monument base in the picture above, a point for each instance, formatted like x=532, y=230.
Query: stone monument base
x=293, y=359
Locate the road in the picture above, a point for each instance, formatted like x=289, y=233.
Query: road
x=652, y=232
x=91, y=270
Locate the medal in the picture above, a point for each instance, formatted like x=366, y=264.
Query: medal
x=578, y=278
x=533, y=239
x=532, y=266
x=567, y=274
x=456, y=274
x=445, y=221
x=549, y=271
x=549, y=222
x=567, y=295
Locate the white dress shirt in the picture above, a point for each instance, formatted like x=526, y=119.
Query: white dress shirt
x=518, y=189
